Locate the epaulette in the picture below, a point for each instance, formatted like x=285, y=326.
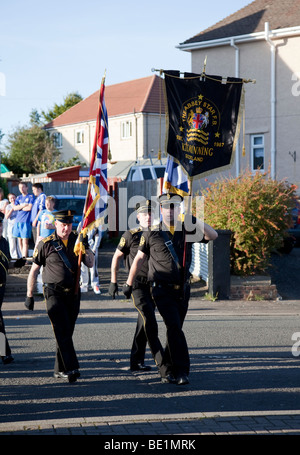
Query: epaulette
x=50, y=237
x=135, y=230
x=155, y=227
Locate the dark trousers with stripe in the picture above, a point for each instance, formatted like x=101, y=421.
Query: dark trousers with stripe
x=2, y=326
x=63, y=309
x=146, y=329
x=172, y=307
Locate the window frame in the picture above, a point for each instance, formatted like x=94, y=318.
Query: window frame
x=57, y=142
x=254, y=147
x=126, y=129
x=81, y=133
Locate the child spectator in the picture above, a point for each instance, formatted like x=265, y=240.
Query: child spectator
x=45, y=225
x=10, y=216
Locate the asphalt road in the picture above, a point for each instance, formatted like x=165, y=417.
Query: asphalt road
x=241, y=360
x=244, y=376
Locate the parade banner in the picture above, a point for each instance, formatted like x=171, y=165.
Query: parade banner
x=201, y=120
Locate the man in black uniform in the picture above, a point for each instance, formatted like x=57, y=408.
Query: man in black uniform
x=146, y=328
x=5, y=264
x=60, y=273
x=168, y=249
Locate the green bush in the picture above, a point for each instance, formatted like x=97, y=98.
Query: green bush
x=257, y=209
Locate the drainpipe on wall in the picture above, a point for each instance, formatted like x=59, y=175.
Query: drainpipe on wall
x=136, y=135
x=237, y=72
x=273, y=100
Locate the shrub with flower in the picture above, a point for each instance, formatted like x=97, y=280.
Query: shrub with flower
x=257, y=209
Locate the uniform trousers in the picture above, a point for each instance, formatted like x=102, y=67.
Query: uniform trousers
x=146, y=329
x=63, y=309
x=2, y=326
x=172, y=307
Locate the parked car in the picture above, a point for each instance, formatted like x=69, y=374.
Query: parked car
x=140, y=172
x=293, y=237
x=76, y=203
x=294, y=231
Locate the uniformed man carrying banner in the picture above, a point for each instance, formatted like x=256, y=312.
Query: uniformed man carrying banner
x=60, y=266
x=146, y=328
x=164, y=247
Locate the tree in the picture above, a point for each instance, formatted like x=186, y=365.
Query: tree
x=69, y=101
x=30, y=150
x=257, y=209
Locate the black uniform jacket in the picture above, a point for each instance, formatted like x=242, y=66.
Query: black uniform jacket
x=55, y=270
x=161, y=265
x=4, y=259
x=128, y=245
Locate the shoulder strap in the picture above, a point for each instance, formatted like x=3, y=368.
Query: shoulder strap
x=170, y=246
x=60, y=251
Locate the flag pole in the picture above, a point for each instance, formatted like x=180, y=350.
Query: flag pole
x=190, y=180
x=89, y=186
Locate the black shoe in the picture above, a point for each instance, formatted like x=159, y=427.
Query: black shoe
x=168, y=379
x=7, y=359
x=140, y=367
x=182, y=379
x=72, y=375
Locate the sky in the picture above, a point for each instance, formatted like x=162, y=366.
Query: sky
x=50, y=49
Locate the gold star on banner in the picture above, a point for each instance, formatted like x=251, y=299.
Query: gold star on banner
x=217, y=134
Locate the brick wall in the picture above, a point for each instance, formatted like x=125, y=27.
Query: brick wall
x=252, y=288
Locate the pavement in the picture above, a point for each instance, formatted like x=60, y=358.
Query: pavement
x=180, y=425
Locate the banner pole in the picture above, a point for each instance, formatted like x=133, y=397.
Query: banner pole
x=190, y=180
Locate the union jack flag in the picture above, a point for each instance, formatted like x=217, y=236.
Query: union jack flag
x=96, y=199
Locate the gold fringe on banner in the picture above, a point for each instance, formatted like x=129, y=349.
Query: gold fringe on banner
x=241, y=116
x=243, y=99
x=243, y=81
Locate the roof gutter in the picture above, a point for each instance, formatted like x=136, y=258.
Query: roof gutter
x=276, y=34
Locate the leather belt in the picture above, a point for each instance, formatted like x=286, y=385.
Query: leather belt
x=162, y=284
x=142, y=280
x=57, y=287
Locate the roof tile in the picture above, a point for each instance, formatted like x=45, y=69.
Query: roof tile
x=252, y=18
x=139, y=95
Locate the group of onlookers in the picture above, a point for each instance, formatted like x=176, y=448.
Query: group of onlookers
x=25, y=216
x=31, y=216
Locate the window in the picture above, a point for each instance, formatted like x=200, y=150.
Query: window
x=257, y=152
x=126, y=130
x=160, y=171
x=57, y=140
x=79, y=137
x=147, y=175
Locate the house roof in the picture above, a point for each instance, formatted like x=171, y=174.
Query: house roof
x=252, y=18
x=139, y=95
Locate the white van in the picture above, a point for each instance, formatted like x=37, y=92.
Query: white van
x=142, y=172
